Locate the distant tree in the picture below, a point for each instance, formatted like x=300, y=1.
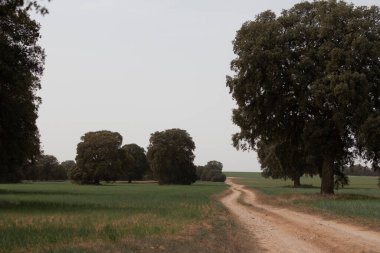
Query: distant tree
x=220, y=177
x=215, y=165
x=68, y=166
x=45, y=164
x=59, y=173
x=134, y=162
x=98, y=158
x=359, y=170
x=199, y=171
x=310, y=77
x=21, y=66
x=46, y=168
x=212, y=171
x=170, y=155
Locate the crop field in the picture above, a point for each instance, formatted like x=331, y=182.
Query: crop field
x=141, y=217
x=359, y=201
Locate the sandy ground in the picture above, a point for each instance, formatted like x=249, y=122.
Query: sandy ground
x=282, y=230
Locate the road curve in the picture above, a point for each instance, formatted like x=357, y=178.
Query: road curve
x=277, y=229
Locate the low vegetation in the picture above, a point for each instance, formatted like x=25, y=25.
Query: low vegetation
x=360, y=200
x=64, y=217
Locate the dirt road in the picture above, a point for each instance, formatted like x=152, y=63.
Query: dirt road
x=282, y=230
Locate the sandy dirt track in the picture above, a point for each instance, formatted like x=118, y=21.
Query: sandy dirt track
x=276, y=229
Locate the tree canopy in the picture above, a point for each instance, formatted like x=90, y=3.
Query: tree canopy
x=285, y=160
x=98, y=158
x=212, y=171
x=21, y=67
x=309, y=80
x=68, y=166
x=45, y=168
x=134, y=162
x=170, y=155
x=48, y=168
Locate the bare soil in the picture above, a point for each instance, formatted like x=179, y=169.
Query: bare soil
x=277, y=229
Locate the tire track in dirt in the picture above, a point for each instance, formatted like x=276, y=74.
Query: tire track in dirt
x=277, y=229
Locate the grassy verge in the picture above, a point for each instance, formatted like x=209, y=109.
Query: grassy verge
x=359, y=202
x=62, y=217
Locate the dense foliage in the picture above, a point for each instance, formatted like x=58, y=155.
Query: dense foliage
x=307, y=82
x=134, y=162
x=68, y=166
x=170, y=155
x=285, y=160
x=21, y=67
x=212, y=171
x=47, y=168
x=98, y=158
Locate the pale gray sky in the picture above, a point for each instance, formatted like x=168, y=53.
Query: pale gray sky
x=142, y=66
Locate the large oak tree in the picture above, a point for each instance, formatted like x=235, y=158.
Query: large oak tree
x=21, y=66
x=170, y=155
x=311, y=77
x=98, y=158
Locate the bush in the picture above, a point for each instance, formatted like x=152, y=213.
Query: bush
x=212, y=171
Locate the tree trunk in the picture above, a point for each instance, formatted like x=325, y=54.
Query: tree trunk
x=327, y=184
x=296, y=181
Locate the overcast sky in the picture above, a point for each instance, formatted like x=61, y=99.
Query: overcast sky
x=136, y=67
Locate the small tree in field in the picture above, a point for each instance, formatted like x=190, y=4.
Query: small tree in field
x=98, y=158
x=212, y=171
x=170, y=155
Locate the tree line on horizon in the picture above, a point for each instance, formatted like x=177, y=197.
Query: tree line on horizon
x=100, y=157
x=169, y=157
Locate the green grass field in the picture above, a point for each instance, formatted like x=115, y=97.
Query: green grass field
x=63, y=217
x=360, y=200
x=146, y=217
